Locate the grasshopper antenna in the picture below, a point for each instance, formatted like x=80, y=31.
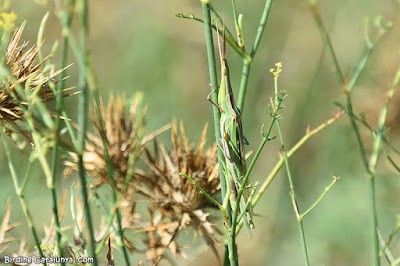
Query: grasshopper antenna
x=224, y=44
x=219, y=43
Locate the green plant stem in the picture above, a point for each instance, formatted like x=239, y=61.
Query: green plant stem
x=374, y=160
x=247, y=63
x=385, y=250
x=220, y=20
x=130, y=172
x=348, y=86
x=386, y=243
x=208, y=196
x=67, y=17
x=360, y=145
x=320, y=198
x=381, y=124
x=229, y=37
x=88, y=81
x=93, y=87
x=238, y=28
x=293, y=195
x=20, y=192
x=325, y=37
x=247, y=205
x=109, y=216
x=395, y=166
x=289, y=174
x=374, y=219
x=83, y=117
x=216, y=114
x=41, y=153
x=281, y=161
x=362, y=62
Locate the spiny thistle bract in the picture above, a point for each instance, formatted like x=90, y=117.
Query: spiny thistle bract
x=23, y=73
x=174, y=197
x=124, y=140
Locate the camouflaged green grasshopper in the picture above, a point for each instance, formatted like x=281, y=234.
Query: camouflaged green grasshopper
x=232, y=139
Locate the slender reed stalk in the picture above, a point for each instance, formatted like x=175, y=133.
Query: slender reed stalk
x=347, y=88
x=247, y=63
x=326, y=39
x=83, y=117
x=90, y=84
x=20, y=191
x=110, y=217
x=289, y=174
x=50, y=182
x=93, y=87
x=57, y=124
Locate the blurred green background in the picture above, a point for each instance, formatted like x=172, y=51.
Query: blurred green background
x=142, y=46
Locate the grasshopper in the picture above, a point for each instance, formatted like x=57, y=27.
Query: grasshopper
x=232, y=138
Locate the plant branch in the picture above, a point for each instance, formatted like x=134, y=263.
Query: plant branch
x=279, y=164
x=247, y=63
x=289, y=174
x=20, y=191
x=83, y=117
x=321, y=197
x=229, y=38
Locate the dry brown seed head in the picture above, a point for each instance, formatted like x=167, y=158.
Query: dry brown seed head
x=23, y=69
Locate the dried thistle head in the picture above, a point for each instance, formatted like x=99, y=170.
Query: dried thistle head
x=160, y=236
x=175, y=196
x=123, y=131
x=174, y=191
x=24, y=73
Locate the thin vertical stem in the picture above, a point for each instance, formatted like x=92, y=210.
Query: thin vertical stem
x=293, y=195
x=90, y=84
x=20, y=192
x=289, y=174
x=84, y=108
x=214, y=83
x=327, y=41
x=93, y=88
x=247, y=63
x=374, y=219
x=67, y=17
x=374, y=160
x=347, y=88
x=235, y=221
x=289, y=153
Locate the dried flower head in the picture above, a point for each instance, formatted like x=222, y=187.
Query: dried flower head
x=160, y=236
x=25, y=73
x=174, y=196
x=124, y=137
x=123, y=132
